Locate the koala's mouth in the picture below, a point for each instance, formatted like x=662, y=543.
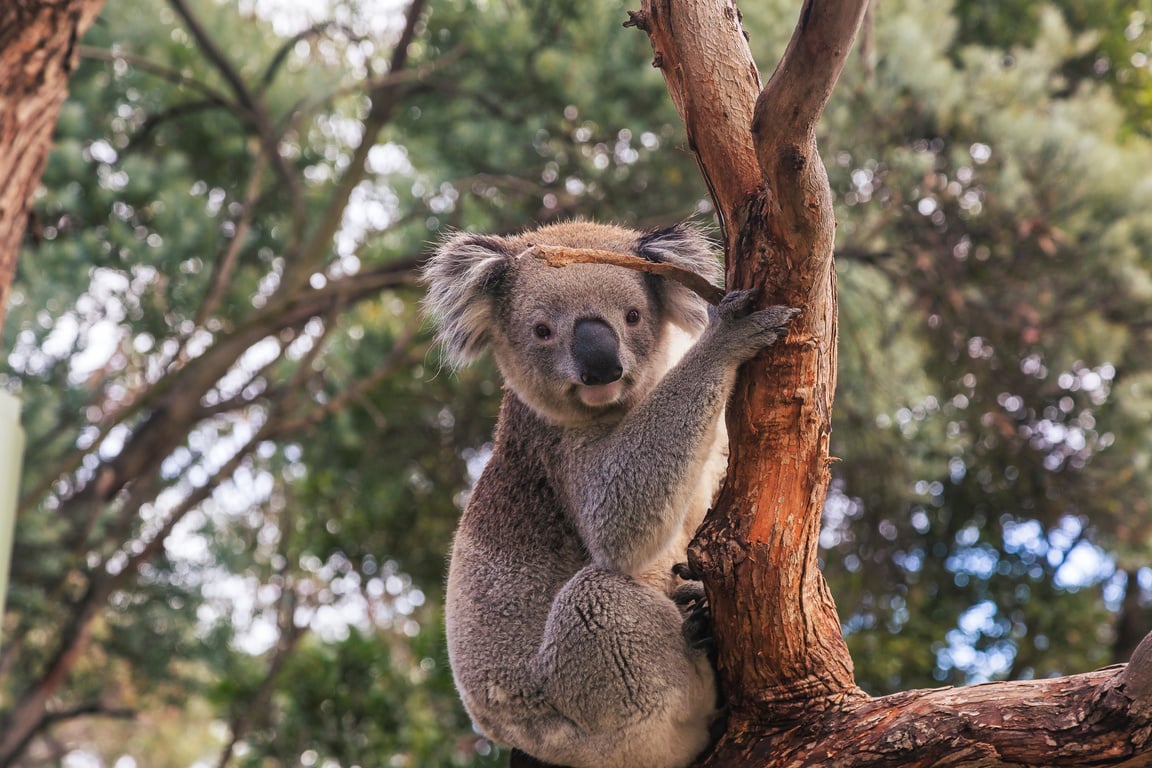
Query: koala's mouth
x=600, y=395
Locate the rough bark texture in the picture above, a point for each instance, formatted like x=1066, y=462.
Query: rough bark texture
x=37, y=53
x=758, y=548
x=783, y=664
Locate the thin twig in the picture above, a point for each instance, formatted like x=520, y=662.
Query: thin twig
x=288, y=45
x=399, y=354
x=411, y=78
x=225, y=265
x=173, y=76
x=253, y=109
x=557, y=256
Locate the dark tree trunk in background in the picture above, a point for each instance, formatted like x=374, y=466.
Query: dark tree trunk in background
x=37, y=52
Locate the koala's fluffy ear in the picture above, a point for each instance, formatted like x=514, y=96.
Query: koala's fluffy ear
x=686, y=247
x=463, y=278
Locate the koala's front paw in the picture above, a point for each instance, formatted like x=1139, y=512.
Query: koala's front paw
x=743, y=331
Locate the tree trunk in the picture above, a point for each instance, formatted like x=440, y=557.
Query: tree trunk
x=37, y=53
x=782, y=662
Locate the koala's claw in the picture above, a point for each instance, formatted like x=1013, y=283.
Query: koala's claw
x=741, y=331
x=737, y=304
x=686, y=572
x=697, y=627
x=689, y=596
x=740, y=304
x=778, y=317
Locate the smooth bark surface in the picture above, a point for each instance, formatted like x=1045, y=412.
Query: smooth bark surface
x=556, y=256
x=37, y=52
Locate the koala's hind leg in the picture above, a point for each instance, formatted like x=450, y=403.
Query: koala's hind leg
x=626, y=687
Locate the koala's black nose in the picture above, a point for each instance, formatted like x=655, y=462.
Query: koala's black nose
x=596, y=351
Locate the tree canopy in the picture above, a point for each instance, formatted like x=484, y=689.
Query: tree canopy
x=245, y=461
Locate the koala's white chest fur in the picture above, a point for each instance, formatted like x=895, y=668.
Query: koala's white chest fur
x=692, y=506
x=701, y=484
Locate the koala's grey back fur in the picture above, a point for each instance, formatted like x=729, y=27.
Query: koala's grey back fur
x=562, y=636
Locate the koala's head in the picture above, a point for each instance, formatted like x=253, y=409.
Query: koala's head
x=574, y=343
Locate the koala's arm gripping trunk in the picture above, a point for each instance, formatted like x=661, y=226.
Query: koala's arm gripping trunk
x=649, y=466
x=650, y=463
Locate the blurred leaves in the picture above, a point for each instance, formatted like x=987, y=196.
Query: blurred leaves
x=992, y=311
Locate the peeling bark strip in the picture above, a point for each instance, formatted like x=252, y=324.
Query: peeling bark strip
x=557, y=256
x=37, y=53
x=783, y=664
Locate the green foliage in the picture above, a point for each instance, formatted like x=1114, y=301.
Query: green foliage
x=313, y=482
x=1117, y=48
x=369, y=700
x=994, y=228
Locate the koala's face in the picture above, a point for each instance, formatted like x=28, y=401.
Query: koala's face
x=580, y=343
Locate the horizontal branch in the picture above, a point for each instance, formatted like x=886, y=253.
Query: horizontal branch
x=559, y=256
x=92, y=709
x=173, y=76
x=1101, y=718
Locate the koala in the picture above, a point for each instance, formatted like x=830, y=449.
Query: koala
x=563, y=636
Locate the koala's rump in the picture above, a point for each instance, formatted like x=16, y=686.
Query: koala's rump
x=514, y=549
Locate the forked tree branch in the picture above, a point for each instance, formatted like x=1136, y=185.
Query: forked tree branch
x=779, y=638
x=253, y=111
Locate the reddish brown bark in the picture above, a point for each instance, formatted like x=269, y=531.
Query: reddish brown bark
x=37, y=53
x=758, y=549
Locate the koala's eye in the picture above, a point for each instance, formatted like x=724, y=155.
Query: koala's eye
x=542, y=331
x=632, y=317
